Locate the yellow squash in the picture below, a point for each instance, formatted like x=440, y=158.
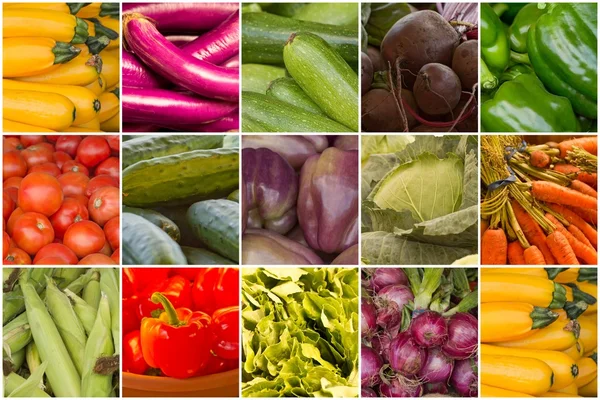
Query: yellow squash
x=520, y=374
x=110, y=106
x=558, y=394
x=490, y=391
x=539, y=272
x=25, y=57
x=588, y=370
x=12, y=126
x=90, y=11
x=588, y=333
x=46, y=110
x=590, y=390
x=591, y=289
x=569, y=292
x=504, y=321
x=94, y=125
x=568, y=276
x=575, y=351
x=62, y=7
x=78, y=129
x=80, y=71
x=98, y=86
x=86, y=103
x=112, y=125
x=110, y=67
x=27, y=22
x=563, y=366
x=541, y=292
x=570, y=389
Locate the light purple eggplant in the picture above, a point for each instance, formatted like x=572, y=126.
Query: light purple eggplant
x=346, y=142
x=218, y=45
x=263, y=247
x=295, y=149
x=347, y=257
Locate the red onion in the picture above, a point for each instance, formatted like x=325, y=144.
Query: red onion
x=367, y=392
x=462, y=336
x=368, y=318
x=370, y=366
x=405, y=356
x=435, y=388
x=389, y=302
x=429, y=329
x=401, y=387
x=437, y=367
x=399, y=294
x=464, y=377
x=382, y=277
x=381, y=344
x=389, y=317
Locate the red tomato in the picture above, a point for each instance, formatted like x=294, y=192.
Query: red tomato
x=60, y=158
x=111, y=166
x=49, y=168
x=106, y=250
x=11, y=144
x=51, y=261
x=73, y=183
x=225, y=327
x=5, y=244
x=74, y=166
x=17, y=256
x=40, y=192
x=10, y=224
x=104, y=204
x=37, y=154
x=30, y=140
x=111, y=231
x=113, y=142
x=56, y=250
x=133, y=359
x=14, y=182
x=215, y=288
x=84, y=237
x=70, y=212
x=96, y=259
x=68, y=144
x=100, y=181
x=116, y=256
x=32, y=231
x=13, y=164
x=8, y=204
x=47, y=146
x=92, y=151
x=52, y=138
x=13, y=192
x=83, y=200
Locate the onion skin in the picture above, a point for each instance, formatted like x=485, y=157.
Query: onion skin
x=405, y=356
x=464, y=377
x=429, y=329
x=218, y=45
x=367, y=392
x=462, y=336
x=371, y=364
x=439, y=388
x=382, y=277
x=381, y=344
x=401, y=387
x=368, y=318
x=437, y=368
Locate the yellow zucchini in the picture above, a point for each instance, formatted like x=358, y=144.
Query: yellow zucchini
x=27, y=22
x=575, y=351
x=521, y=374
x=110, y=105
x=12, y=126
x=539, y=272
x=86, y=103
x=24, y=57
x=568, y=276
x=541, y=292
x=591, y=389
x=90, y=11
x=569, y=292
x=558, y=394
x=110, y=67
x=588, y=370
x=504, y=321
x=91, y=27
x=588, y=333
x=62, y=7
x=98, y=86
x=592, y=290
x=47, y=110
x=490, y=391
x=570, y=389
x=563, y=366
x=78, y=129
x=94, y=124
x=80, y=71
x=112, y=125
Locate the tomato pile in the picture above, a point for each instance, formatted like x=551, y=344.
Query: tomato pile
x=60, y=200
x=180, y=322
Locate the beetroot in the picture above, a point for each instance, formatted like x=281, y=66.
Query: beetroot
x=375, y=57
x=366, y=73
x=437, y=89
x=380, y=112
x=465, y=63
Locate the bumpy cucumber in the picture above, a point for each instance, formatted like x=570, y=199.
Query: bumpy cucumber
x=204, y=257
x=216, y=223
x=157, y=219
x=179, y=216
x=234, y=196
x=286, y=89
x=231, y=141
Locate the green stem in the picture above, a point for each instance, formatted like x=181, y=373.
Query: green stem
x=552, y=272
x=431, y=281
x=158, y=297
x=521, y=58
x=542, y=317
x=559, y=296
x=466, y=304
x=575, y=309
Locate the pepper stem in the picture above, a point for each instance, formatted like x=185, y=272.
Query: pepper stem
x=158, y=297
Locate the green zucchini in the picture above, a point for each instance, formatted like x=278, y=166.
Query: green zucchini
x=231, y=142
x=274, y=115
x=249, y=125
x=157, y=219
x=283, y=9
x=149, y=147
x=324, y=76
x=181, y=178
x=341, y=14
x=234, y=196
x=256, y=77
x=179, y=216
x=264, y=35
x=143, y=243
x=286, y=89
x=196, y=256
x=216, y=223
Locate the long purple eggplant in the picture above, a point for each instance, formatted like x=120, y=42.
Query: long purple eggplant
x=262, y=247
x=230, y=122
x=136, y=75
x=158, y=106
x=218, y=45
x=135, y=127
x=183, y=17
x=233, y=62
x=163, y=57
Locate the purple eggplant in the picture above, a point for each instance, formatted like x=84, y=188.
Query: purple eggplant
x=137, y=75
x=348, y=257
x=233, y=62
x=218, y=45
x=271, y=190
x=328, y=200
x=229, y=123
x=263, y=247
x=295, y=149
x=346, y=142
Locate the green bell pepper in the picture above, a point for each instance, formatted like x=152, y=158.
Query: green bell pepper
x=517, y=32
x=524, y=105
x=489, y=81
x=495, y=49
x=514, y=71
x=508, y=11
x=562, y=47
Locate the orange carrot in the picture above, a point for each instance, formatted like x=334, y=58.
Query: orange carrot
x=589, y=144
x=577, y=234
x=584, y=188
x=539, y=159
x=533, y=232
x=589, y=215
x=493, y=247
x=576, y=220
x=586, y=177
x=561, y=249
x=553, y=193
x=515, y=254
x=581, y=250
x=533, y=256
x=590, y=179
x=566, y=168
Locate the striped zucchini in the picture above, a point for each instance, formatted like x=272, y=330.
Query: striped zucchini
x=216, y=223
x=286, y=89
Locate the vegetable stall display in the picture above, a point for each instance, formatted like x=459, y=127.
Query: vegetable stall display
x=299, y=200
x=539, y=332
x=181, y=67
x=300, y=332
x=539, y=200
x=419, y=67
x=61, y=67
x=419, y=200
x=60, y=200
x=419, y=332
x=181, y=200
x=299, y=67
x=180, y=324
x=539, y=66
x=61, y=332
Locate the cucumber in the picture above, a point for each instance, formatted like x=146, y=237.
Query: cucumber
x=341, y=14
x=129, y=137
x=264, y=35
x=234, y=196
x=274, y=115
x=216, y=223
x=286, y=89
x=324, y=76
x=145, y=244
x=164, y=223
x=149, y=147
x=181, y=178
x=179, y=216
x=231, y=142
x=196, y=256
x=256, y=77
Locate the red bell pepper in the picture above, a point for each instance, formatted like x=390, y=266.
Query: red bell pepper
x=176, y=341
x=225, y=327
x=216, y=288
x=138, y=279
x=129, y=315
x=188, y=273
x=177, y=289
x=133, y=360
